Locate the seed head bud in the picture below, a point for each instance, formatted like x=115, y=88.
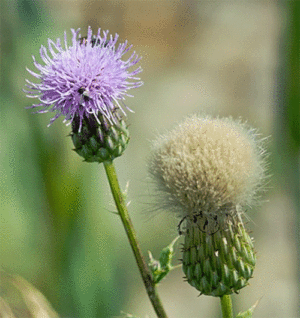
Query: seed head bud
x=207, y=171
x=99, y=140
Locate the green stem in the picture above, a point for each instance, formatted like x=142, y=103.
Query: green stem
x=123, y=212
x=226, y=305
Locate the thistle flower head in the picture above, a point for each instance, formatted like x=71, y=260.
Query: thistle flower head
x=208, y=169
x=208, y=165
x=86, y=78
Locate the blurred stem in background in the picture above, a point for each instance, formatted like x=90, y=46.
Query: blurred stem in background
x=287, y=131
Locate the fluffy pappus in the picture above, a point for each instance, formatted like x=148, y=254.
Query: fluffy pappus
x=208, y=166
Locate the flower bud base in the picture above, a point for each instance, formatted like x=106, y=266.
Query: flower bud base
x=221, y=263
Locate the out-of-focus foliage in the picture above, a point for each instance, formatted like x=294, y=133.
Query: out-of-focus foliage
x=18, y=298
x=46, y=234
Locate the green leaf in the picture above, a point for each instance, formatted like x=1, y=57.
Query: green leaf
x=248, y=313
x=160, y=268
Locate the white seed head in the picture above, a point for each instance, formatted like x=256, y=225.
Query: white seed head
x=208, y=165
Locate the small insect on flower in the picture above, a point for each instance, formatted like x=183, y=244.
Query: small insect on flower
x=87, y=78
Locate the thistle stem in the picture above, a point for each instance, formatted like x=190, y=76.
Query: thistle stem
x=226, y=305
x=123, y=212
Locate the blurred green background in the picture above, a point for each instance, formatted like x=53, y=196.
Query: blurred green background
x=238, y=58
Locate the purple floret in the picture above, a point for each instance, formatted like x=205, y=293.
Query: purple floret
x=85, y=78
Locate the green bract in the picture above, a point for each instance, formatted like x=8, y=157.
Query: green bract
x=99, y=140
x=221, y=263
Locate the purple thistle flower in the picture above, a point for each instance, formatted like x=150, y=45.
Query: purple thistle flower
x=85, y=78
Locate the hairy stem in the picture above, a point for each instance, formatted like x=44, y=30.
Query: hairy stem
x=123, y=212
x=226, y=305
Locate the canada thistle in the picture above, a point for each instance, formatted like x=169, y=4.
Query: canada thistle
x=207, y=171
x=85, y=82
